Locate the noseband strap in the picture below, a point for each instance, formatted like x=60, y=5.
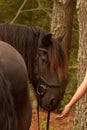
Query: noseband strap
x=48, y=84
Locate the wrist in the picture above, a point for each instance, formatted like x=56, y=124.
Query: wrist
x=69, y=106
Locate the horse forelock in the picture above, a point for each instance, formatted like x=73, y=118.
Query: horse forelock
x=58, y=60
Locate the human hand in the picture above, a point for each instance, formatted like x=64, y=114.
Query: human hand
x=64, y=113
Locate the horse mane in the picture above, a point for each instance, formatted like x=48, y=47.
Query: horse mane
x=7, y=112
x=58, y=60
x=23, y=37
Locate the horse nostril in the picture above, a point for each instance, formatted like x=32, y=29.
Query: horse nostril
x=52, y=102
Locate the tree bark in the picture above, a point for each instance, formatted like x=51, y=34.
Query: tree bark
x=62, y=20
x=80, y=122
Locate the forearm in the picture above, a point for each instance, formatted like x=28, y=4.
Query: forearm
x=79, y=93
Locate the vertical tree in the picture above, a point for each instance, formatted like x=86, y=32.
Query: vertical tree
x=62, y=22
x=62, y=18
x=81, y=107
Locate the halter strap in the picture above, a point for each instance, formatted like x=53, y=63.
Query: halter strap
x=38, y=116
x=50, y=85
x=48, y=120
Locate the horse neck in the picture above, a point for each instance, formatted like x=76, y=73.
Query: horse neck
x=33, y=54
x=25, y=39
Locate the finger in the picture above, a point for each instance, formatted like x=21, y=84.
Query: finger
x=62, y=116
x=59, y=117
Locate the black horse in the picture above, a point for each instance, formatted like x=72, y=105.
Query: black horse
x=45, y=58
x=15, y=107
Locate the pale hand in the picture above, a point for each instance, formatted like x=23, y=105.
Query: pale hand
x=64, y=113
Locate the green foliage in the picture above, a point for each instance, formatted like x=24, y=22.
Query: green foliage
x=43, y=125
x=75, y=128
x=8, y=9
x=33, y=12
x=71, y=88
x=75, y=41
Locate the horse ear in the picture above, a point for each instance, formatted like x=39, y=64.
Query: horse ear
x=47, y=40
x=60, y=39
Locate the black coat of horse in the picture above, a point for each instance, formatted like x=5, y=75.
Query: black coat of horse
x=15, y=107
x=45, y=58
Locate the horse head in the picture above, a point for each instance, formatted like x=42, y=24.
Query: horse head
x=50, y=69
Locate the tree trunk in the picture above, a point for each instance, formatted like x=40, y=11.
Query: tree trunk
x=80, y=122
x=62, y=18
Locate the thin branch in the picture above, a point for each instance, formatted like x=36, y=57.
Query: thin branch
x=76, y=30
x=73, y=67
x=37, y=9
x=39, y=4
x=18, y=12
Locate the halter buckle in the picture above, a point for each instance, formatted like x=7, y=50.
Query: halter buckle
x=41, y=90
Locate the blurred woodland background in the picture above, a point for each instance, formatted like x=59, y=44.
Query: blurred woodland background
x=39, y=13
x=57, y=17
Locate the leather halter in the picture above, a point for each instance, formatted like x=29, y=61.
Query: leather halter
x=41, y=78
x=45, y=86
